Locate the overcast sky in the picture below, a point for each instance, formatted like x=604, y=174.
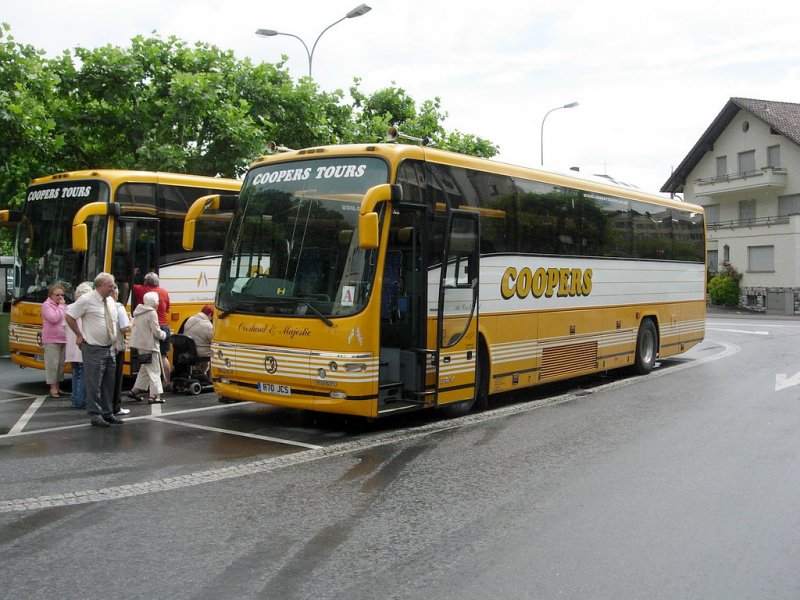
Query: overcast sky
x=649, y=77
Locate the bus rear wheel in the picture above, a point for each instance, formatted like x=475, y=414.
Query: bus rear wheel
x=646, y=348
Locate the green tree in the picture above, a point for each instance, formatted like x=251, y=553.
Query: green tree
x=723, y=288
x=392, y=106
x=27, y=139
x=162, y=104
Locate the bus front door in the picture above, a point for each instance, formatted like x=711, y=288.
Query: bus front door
x=457, y=314
x=405, y=358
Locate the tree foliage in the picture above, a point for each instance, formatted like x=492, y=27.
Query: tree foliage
x=163, y=104
x=723, y=288
x=29, y=138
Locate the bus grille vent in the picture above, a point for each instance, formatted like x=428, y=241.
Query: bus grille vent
x=571, y=358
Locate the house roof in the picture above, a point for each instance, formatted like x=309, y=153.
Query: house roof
x=783, y=117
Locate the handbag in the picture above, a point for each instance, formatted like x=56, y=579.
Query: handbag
x=145, y=358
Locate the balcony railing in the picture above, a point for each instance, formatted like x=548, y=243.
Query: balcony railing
x=732, y=182
x=755, y=222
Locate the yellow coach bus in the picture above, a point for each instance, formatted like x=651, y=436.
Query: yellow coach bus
x=372, y=279
x=74, y=225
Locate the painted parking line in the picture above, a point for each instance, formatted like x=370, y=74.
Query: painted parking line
x=254, y=436
x=17, y=393
x=20, y=425
x=156, y=414
x=86, y=424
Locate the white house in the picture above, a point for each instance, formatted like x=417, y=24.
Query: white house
x=745, y=171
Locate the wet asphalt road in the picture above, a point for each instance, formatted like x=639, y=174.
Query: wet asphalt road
x=682, y=484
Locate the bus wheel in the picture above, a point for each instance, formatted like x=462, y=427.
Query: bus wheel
x=646, y=348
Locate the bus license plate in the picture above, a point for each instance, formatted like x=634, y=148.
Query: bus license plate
x=272, y=388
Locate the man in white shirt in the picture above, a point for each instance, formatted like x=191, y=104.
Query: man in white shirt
x=96, y=337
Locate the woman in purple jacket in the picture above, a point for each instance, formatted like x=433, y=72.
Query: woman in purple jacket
x=54, y=338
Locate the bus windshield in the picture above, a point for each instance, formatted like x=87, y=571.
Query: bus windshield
x=43, y=250
x=293, y=243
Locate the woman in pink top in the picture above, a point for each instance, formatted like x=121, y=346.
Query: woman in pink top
x=54, y=338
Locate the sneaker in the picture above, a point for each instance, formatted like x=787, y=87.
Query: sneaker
x=122, y=411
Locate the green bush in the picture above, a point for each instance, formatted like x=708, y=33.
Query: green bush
x=724, y=290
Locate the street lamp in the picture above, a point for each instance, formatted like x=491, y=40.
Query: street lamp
x=541, y=133
x=359, y=10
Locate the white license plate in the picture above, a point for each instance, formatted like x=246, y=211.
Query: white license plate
x=38, y=357
x=277, y=390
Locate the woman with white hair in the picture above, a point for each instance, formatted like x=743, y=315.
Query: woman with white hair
x=145, y=337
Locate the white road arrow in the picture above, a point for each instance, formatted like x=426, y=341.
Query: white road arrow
x=783, y=382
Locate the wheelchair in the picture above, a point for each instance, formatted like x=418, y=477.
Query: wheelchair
x=188, y=376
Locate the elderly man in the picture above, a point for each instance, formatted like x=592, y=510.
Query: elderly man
x=96, y=336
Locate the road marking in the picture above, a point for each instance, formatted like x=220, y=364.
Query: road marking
x=737, y=331
x=265, y=438
x=20, y=425
x=760, y=324
x=6, y=400
x=16, y=393
x=297, y=458
x=783, y=382
x=141, y=418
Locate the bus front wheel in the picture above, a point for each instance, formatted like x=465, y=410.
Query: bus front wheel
x=646, y=348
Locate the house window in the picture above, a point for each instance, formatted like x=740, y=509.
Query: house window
x=747, y=161
x=726, y=253
x=722, y=166
x=747, y=210
x=789, y=205
x=774, y=157
x=712, y=213
x=712, y=261
x=761, y=258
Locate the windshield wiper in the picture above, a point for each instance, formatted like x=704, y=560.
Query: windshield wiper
x=308, y=304
x=317, y=312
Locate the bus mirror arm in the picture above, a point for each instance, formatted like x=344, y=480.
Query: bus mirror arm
x=368, y=219
x=80, y=234
x=198, y=207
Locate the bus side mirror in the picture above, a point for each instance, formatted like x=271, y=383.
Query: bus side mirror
x=80, y=238
x=80, y=234
x=368, y=231
x=198, y=207
x=368, y=218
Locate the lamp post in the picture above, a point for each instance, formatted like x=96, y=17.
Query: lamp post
x=541, y=133
x=359, y=10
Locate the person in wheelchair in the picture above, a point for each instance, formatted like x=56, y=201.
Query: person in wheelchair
x=200, y=327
